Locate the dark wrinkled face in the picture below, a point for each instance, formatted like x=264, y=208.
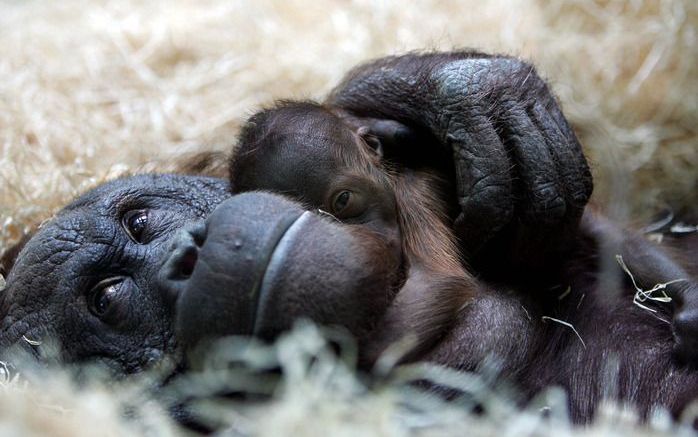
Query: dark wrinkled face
x=88, y=278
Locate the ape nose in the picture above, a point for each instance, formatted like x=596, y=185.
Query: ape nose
x=180, y=259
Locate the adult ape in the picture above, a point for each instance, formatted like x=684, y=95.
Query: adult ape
x=91, y=277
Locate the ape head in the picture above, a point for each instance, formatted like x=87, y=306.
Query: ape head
x=309, y=153
x=106, y=276
x=87, y=278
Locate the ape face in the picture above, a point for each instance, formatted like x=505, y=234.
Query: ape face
x=110, y=274
x=88, y=278
x=306, y=152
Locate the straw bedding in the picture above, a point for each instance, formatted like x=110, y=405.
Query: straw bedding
x=93, y=89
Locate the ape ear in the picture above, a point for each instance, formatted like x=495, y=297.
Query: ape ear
x=372, y=141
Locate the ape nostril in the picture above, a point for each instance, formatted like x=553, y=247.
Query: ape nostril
x=180, y=260
x=187, y=263
x=198, y=232
x=181, y=263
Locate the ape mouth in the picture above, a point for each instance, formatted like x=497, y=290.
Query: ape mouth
x=274, y=266
x=266, y=263
x=224, y=284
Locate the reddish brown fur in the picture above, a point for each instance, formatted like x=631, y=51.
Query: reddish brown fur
x=437, y=287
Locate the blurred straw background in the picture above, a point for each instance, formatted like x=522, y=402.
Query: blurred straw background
x=90, y=89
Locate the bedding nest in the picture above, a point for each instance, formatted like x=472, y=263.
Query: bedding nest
x=94, y=89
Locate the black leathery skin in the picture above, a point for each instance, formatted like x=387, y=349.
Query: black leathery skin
x=48, y=290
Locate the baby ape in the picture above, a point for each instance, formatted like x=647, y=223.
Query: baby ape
x=309, y=154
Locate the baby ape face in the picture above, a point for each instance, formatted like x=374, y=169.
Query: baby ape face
x=308, y=153
x=88, y=278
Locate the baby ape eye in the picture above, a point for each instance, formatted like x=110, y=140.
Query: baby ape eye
x=348, y=204
x=135, y=222
x=341, y=201
x=374, y=143
x=104, y=296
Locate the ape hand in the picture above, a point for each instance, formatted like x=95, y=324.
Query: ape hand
x=518, y=164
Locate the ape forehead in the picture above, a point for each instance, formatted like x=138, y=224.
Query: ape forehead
x=56, y=242
x=195, y=192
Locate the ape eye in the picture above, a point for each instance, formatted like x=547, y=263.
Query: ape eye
x=105, y=298
x=374, y=143
x=347, y=204
x=134, y=223
x=341, y=201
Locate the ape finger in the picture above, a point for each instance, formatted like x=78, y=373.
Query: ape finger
x=484, y=185
x=543, y=195
x=569, y=163
x=572, y=157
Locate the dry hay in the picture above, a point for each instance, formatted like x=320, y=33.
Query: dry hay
x=92, y=89
x=319, y=395
x=89, y=89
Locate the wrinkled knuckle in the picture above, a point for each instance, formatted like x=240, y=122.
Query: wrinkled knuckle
x=461, y=76
x=581, y=192
x=490, y=184
x=544, y=192
x=547, y=203
x=489, y=200
x=579, y=198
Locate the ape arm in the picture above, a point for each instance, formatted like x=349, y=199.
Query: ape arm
x=517, y=161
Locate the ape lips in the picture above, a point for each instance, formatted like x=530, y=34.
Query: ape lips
x=249, y=277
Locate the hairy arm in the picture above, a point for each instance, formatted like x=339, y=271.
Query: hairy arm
x=650, y=266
